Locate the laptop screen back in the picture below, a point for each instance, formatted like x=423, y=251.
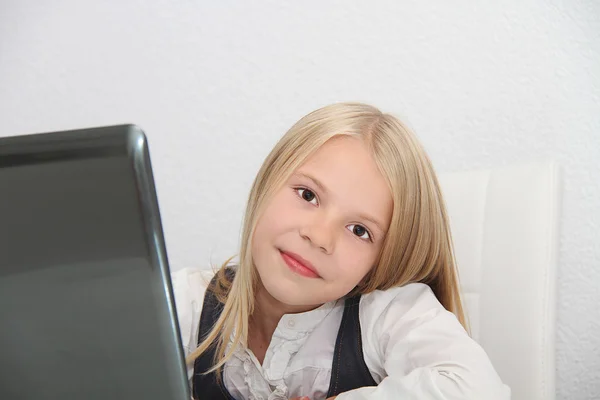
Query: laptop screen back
x=84, y=306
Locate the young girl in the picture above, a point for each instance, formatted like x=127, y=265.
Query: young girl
x=346, y=285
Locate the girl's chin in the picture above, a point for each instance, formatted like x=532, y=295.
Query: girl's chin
x=293, y=295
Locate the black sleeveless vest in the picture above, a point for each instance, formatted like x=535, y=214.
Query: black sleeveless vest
x=348, y=372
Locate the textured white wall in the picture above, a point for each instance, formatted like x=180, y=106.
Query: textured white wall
x=216, y=83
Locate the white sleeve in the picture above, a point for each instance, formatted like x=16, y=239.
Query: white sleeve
x=189, y=286
x=416, y=349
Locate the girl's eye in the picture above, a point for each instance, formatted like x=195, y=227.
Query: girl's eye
x=360, y=231
x=307, y=195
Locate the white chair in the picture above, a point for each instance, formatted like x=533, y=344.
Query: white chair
x=505, y=227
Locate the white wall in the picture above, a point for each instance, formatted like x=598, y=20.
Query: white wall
x=216, y=83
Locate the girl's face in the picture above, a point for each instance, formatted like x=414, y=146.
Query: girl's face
x=322, y=232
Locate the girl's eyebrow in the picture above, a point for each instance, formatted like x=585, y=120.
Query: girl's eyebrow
x=372, y=220
x=322, y=187
x=317, y=182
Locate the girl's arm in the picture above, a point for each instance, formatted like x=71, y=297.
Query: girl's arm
x=416, y=349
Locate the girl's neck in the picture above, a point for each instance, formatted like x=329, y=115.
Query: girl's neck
x=268, y=312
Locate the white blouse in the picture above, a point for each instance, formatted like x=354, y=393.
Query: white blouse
x=413, y=347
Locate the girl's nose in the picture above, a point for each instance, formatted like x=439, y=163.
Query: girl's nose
x=320, y=233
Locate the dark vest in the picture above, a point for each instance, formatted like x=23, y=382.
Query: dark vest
x=348, y=371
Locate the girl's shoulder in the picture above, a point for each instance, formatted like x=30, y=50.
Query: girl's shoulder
x=189, y=286
x=410, y=305
x=407, y=297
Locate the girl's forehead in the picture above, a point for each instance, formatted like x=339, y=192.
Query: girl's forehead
x=343, y=154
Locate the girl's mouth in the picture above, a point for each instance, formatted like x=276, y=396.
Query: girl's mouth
x=299, y=265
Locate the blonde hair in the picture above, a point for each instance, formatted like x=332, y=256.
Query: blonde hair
x=417, y=248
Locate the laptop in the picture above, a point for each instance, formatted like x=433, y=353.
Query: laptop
x=86, y=303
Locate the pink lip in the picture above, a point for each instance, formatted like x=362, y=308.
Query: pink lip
x=299, y=265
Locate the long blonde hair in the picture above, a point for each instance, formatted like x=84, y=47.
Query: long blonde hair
x=417, y=248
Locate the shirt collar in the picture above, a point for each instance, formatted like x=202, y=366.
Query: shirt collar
x=306, y=322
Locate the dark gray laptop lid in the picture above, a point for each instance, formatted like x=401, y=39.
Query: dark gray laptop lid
x=86, y=304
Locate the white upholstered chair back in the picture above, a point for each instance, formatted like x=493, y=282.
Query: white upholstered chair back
x=505, y=227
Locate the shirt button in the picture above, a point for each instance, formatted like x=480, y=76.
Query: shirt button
x=291, y=323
